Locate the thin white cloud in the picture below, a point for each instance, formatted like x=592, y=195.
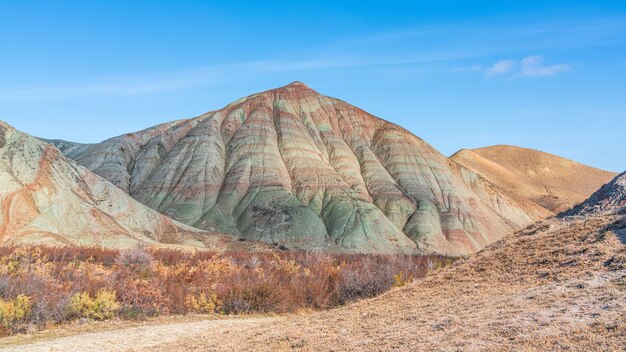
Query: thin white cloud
x=119, y=87
x=529, y=66
x=532, y=66
x=501, y=67
x=214, y=74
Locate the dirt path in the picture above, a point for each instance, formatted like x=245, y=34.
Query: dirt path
x=134, y=338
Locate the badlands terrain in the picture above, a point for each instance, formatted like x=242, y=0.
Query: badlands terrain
x=294, y=167
x=541, y=184
x=542, y=237
x=289, y=167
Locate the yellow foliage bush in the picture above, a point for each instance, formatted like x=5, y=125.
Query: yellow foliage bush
x=21, y=257
x=12, y=312
x=204, y=304
x=400, y=280
x=101, y=307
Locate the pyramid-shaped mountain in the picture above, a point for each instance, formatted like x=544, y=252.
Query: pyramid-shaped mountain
x=294, y=167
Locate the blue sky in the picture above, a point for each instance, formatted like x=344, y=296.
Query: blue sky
x=544, y=75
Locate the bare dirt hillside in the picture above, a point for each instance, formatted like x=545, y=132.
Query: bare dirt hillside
x=540, y=183
x=557, y=285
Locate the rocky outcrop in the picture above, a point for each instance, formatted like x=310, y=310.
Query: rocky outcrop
x=610, y=198
x=47, y=198
x=291, y=166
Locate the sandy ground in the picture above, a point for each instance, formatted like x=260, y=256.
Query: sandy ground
x=554, y=286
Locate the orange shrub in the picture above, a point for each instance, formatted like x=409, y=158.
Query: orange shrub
x=150, y=282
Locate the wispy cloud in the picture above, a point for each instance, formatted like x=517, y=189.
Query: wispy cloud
x=532, y=66
x=398, y=50
x=529, y=66
x=212, y=75
x=120, y=87
x=500, y=68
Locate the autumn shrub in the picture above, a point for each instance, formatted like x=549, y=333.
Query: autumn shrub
x=13, y=312
x=66, y=283
x=100, y=307
x=139, y=298
x=204, y=303
x=137, y=259
x=254, y=298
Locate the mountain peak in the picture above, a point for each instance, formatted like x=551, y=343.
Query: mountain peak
x=293, y=167
x=299, y=87
x=297, y=84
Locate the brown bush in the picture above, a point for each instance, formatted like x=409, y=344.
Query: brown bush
x=149, y=282
x=135, y=258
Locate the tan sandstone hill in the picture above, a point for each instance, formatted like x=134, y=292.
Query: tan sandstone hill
x=541, y=184
x=47, y=198
x=292, y=166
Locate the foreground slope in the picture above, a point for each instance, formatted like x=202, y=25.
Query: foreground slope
x=539, y=183
x=295, y=167
x=557, y=285
x=47, y=198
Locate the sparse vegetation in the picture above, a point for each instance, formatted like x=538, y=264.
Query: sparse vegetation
x=45, y=285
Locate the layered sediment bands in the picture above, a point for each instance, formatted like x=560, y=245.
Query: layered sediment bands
x=114, y=159
x=291, y=166
x=49, y=199
x=517, y=212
